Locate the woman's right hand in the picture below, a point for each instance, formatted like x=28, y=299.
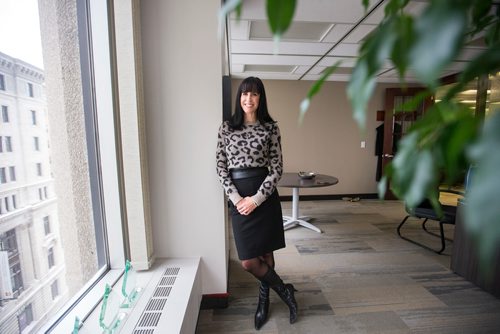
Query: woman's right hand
x=246, y=206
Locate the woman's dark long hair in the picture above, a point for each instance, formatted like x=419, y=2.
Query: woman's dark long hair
x=254, y=85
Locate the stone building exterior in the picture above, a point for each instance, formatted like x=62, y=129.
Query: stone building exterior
x=32, y=269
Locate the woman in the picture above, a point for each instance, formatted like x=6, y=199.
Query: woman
x=249, y=165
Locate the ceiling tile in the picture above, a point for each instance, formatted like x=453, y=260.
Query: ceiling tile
x=283, y=48
x=298, y=31
x=239, y=29
x=358, y=34
x=273, y=59
x=345, y=50
x=337, y=32
x=269, y=68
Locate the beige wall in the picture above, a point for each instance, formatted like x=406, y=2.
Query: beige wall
x=328, y=141
x=183, y=101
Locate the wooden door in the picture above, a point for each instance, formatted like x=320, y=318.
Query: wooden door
x=397, y=121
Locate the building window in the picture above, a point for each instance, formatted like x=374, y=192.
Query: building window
x=8, y=144
x=5, y=114
x=36, y=143
x=50, y=257
x=54, y=288
x=30, y=90
x=46, y=225
x=33, y=117
x=2, y=82
x=39, y=168
x=1, y=144
x=25, y=317
x=14, y=202
x=45, y=192
x=8, y=242
x=12, y=172
x=3, y=175
x=7, y=205
x=87, y=264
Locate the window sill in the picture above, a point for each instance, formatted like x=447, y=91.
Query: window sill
x=85, y=306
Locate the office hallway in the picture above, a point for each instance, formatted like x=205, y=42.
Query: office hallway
x=358, y=276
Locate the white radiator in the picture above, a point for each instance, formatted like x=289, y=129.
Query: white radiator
x=170, y=300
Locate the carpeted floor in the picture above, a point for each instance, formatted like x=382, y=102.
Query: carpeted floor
x=358, y=276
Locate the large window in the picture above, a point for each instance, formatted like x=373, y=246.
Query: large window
x=33, y=117
x=64, y=239
x=25, y=317
x=30, y=90
x=8, y=243
x=5, y=114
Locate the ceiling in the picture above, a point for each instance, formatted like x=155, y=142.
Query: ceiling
x=322, y=33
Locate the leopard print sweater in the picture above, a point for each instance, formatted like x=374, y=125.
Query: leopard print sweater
x=254, y=145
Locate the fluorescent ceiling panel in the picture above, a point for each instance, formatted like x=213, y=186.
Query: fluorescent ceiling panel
x=269, y=68
x=298, y=31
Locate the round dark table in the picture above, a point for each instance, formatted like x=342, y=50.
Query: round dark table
x=293, y=180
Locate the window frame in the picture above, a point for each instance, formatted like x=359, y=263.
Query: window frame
x=33, y=117
x=31, y=89
x=51, y=258
x=8, y=144
x=36, y=143
x=3, y=175
x=98, y=67
x=46, y=225
x=5, y=114
x=2, y=82
x=12, y=173
x=55, y=284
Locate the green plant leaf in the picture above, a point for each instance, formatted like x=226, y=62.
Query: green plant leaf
x=439, y=33
x=403, y=42
x=486, y=62
x=493, y=33
x=415, y=101
x=230, y=6
x=479, y=14
x=394, y=7
x=414, y=171
x=360, y=90
x=482, y=210
x=366, y=3
x=280, y=14
x=304, y=106
x=377, y=47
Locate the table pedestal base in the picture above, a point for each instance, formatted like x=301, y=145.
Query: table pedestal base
x=295, y=220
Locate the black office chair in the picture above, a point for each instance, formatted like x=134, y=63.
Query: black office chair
x=426, y=212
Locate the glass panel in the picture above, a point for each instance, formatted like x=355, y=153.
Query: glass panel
x=50, y=178
x=130, y=290
x=110, y=317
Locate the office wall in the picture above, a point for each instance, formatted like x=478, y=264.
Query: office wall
x=328, y=141
x=183, y=102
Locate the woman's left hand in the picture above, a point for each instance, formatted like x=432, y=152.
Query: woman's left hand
x=246, y=206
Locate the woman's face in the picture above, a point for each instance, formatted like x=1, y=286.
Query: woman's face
x=249, y=102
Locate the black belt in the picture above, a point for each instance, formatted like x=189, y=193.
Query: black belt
x=243, y=173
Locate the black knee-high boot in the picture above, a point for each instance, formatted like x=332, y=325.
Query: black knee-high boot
x=262, y=306
x=285, y=291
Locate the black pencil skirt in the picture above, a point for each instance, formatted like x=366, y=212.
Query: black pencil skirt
x=260, y=232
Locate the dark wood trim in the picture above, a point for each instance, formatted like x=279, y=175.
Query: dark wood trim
x=449, y=79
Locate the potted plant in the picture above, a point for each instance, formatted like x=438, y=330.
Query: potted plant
x=448, y=138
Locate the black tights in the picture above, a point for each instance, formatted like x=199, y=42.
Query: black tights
x=258, y=266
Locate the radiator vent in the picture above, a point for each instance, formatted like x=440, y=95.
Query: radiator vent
x=152, y=312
